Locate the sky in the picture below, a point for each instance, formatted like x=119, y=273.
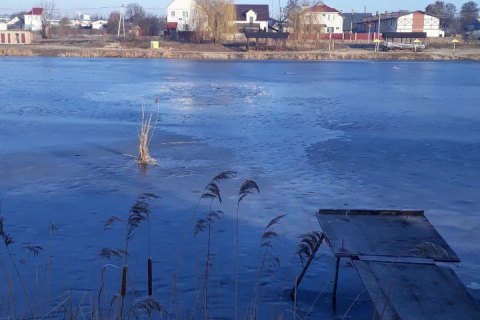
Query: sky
x=70, y=8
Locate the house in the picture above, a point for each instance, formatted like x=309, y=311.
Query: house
x=330, y=19
x=352, y=20
x=403, y=21
x=252, y=17
x=472, y=31
x=33, y=19
x=180, y=15
x=99, y=24
x=15, y=23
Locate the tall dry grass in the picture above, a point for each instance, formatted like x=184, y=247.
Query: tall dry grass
x=8, y=241
x=138, y=214
x=268, y=259
x=247, y=187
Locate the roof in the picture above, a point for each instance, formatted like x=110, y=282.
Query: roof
x=260, y=9
x=357, y=17
x=172, y=25
x=393, y=15
x=322, y=8
x=35, y=12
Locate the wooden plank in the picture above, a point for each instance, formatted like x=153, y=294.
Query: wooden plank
x=379, y=212
x=386, y=233
x=416, y=291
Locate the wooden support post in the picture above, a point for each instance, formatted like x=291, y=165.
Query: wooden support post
x=334, y=294
x=248, y=40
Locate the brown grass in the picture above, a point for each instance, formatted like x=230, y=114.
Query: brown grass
x=145, y=137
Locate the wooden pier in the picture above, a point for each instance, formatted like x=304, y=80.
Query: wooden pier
x=402, y=261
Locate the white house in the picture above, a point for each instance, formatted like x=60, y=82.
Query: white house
x=329, y=18
x=180, y=15
x=33, y=19
x=99, y=24
x=252, y=17
x=405, y=21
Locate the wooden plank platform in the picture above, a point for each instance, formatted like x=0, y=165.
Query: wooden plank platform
x=386, y=233
x=416, y=291
x=395, y=252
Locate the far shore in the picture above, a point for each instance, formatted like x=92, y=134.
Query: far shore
x=88, y=48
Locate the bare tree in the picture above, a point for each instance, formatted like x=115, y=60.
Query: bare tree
x=217, y=17
x=49, y=8
x=135, y=13
x=446, y=12
x=113, y=20
x=469, y=13
x=305, y=24
x=148, y=23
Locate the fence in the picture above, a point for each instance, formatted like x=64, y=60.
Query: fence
x=346, y=36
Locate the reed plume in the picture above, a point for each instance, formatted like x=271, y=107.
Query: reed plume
x=247, y=187
x=212, y=192
x=139, y=212
x=269, y=234
x=306, y=250
x=148, y=306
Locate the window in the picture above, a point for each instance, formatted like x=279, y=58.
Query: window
x=251, y=20
x=172, y=14
x=185, y=14
x=330, y=29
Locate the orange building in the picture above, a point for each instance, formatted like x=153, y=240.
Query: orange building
x=15, y=37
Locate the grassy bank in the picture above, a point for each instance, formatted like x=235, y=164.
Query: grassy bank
x=175, y=50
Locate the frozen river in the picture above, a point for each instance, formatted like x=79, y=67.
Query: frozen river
x=312, y=135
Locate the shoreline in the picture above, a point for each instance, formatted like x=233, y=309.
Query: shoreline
x=74, y=51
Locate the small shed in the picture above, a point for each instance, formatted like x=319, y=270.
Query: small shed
x=278, y=38
x=15, y=37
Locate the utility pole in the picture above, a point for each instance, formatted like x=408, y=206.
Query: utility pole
x=378, y=27
x=121, y=23
x=351, y=26
x=369, y=26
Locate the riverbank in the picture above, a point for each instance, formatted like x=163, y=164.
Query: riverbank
x=175, y=50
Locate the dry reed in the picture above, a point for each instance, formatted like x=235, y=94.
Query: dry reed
x=269, y=234
x=145, y=136
x=246, y=188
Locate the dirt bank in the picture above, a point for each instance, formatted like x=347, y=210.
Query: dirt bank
x=173, y=50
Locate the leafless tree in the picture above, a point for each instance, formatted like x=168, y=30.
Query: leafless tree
x=217, y=17
x=304, y=24
x=135, y=13
x=49, y=8
x=113, y=21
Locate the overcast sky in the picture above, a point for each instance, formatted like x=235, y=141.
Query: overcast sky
x=103, y=7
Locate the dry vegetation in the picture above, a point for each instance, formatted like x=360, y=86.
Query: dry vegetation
x=127, y=302
x=147, y=129
x=97, y=47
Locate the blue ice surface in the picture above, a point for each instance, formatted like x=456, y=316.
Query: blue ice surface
x=312, y=135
